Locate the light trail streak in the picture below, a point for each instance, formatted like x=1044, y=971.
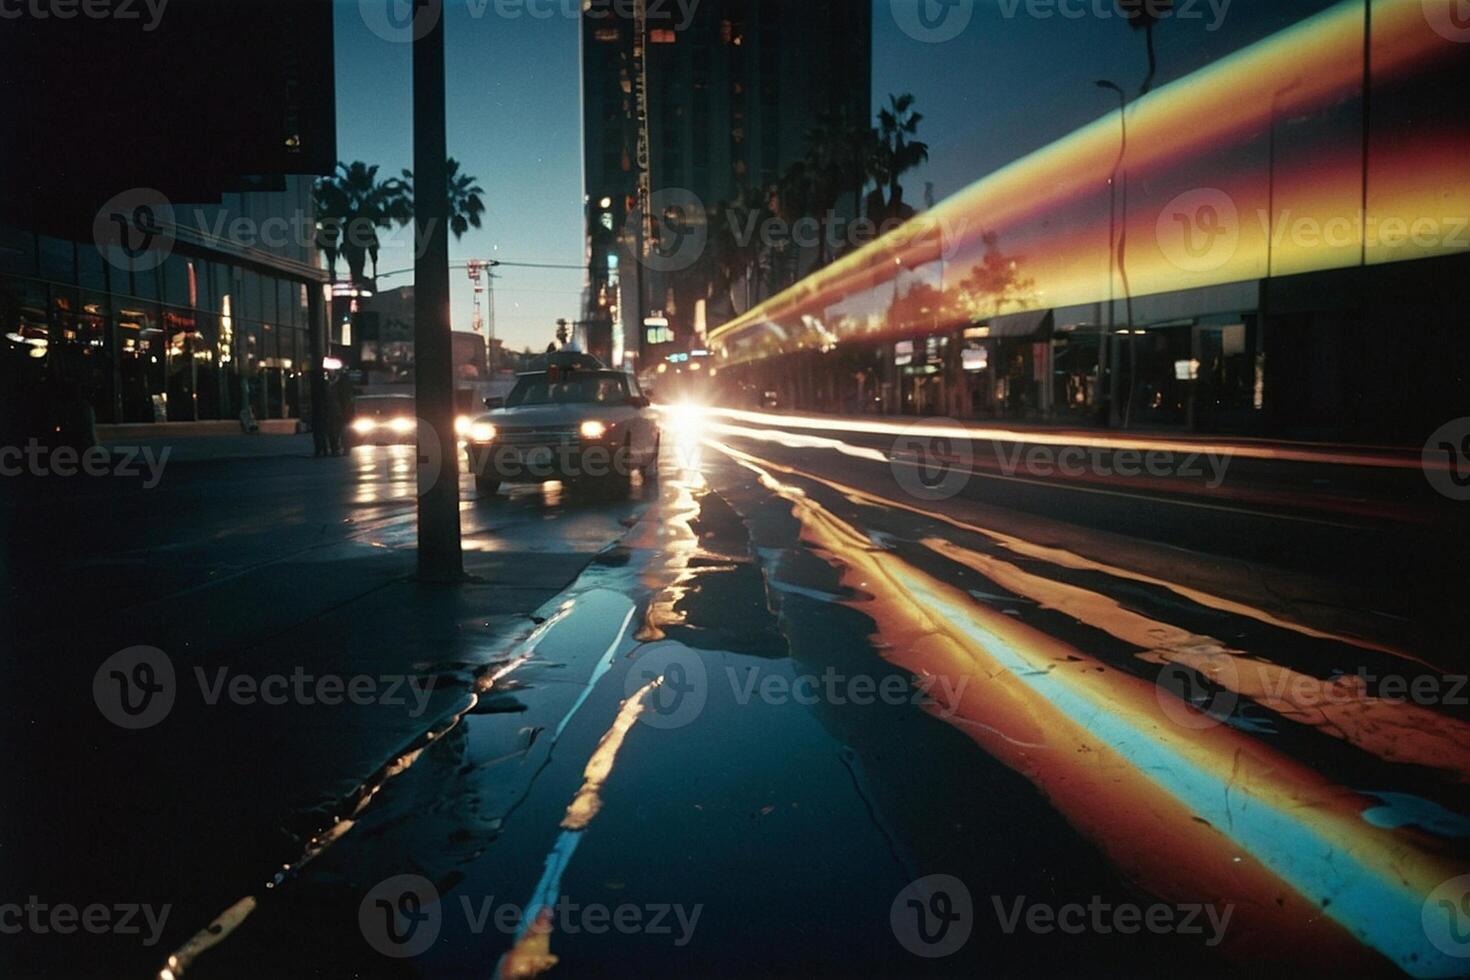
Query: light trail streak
x=1296, y=453
x=1209, y=813
x=1067, y=559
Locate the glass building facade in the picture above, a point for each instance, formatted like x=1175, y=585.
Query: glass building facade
x=219, y=325
x=1239, y=251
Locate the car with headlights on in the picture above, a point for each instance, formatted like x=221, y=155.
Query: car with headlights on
x=382, y=420
x=576, y=421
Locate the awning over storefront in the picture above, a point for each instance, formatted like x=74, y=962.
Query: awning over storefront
x=1032, y=325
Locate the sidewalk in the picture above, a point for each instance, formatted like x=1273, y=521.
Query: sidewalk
x=228, y=787
x=190, y=445
x=129, y=431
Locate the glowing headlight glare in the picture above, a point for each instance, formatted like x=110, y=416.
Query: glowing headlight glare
x=402, y=426
x=462, y=425
x=364, y=426
x=685, y=418
x=592, y=429
x=482, y=432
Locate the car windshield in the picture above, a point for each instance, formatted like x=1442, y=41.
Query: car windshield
x=539, y=389
x=383, y=407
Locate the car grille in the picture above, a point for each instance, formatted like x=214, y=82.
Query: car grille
x=536, y=437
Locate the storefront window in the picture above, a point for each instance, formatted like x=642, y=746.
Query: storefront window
x=249, y=306
x=25, y=341
x=1076, y=356
x=1158, y=365
x=80, y=350
x=252, y=391
x=176, y=291
x=180, y=328
x=206, y=343
x=269, y=304
x=285, y=309
x=141, y=363
x=227, y=347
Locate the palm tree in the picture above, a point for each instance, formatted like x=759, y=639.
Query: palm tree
x=1142, y=16
x=836, y=162
x=857, y=148
x=352, y=205
x=794, y=198
x=897, y=151
x=735, y=250
x=465, y=202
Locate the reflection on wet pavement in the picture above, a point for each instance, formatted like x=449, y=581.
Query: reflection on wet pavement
x=1068, y=728
x=1191, y=808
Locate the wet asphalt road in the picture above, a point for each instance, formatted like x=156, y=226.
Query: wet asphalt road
x=800, y=721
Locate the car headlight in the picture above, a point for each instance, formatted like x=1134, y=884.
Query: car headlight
x=462, y=425
x=363, y=426
x=482, y=432
x=402, y=426
x=593, y=429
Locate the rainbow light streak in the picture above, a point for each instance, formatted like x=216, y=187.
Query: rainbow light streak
x=1123, y=774
x=1202, y=142
x=1366, y=897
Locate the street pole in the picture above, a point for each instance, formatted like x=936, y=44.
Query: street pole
x=440, y=556
x=1110, y=349
x=1122, y=261
x=317, y=316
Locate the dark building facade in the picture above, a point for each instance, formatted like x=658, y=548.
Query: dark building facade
x=158, y=254
x=685, y=114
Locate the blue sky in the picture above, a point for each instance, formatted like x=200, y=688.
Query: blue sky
x=1020, y=75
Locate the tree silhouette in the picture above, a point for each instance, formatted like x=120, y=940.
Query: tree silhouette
x=896, y=153
x=735, y=241
x=1144, y=15
x=465, y=202
x=352, y=206
x=993, y=283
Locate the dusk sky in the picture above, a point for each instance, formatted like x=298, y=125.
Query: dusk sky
x=1008, y=84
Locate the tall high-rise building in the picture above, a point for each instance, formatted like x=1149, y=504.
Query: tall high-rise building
x=686, y=109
